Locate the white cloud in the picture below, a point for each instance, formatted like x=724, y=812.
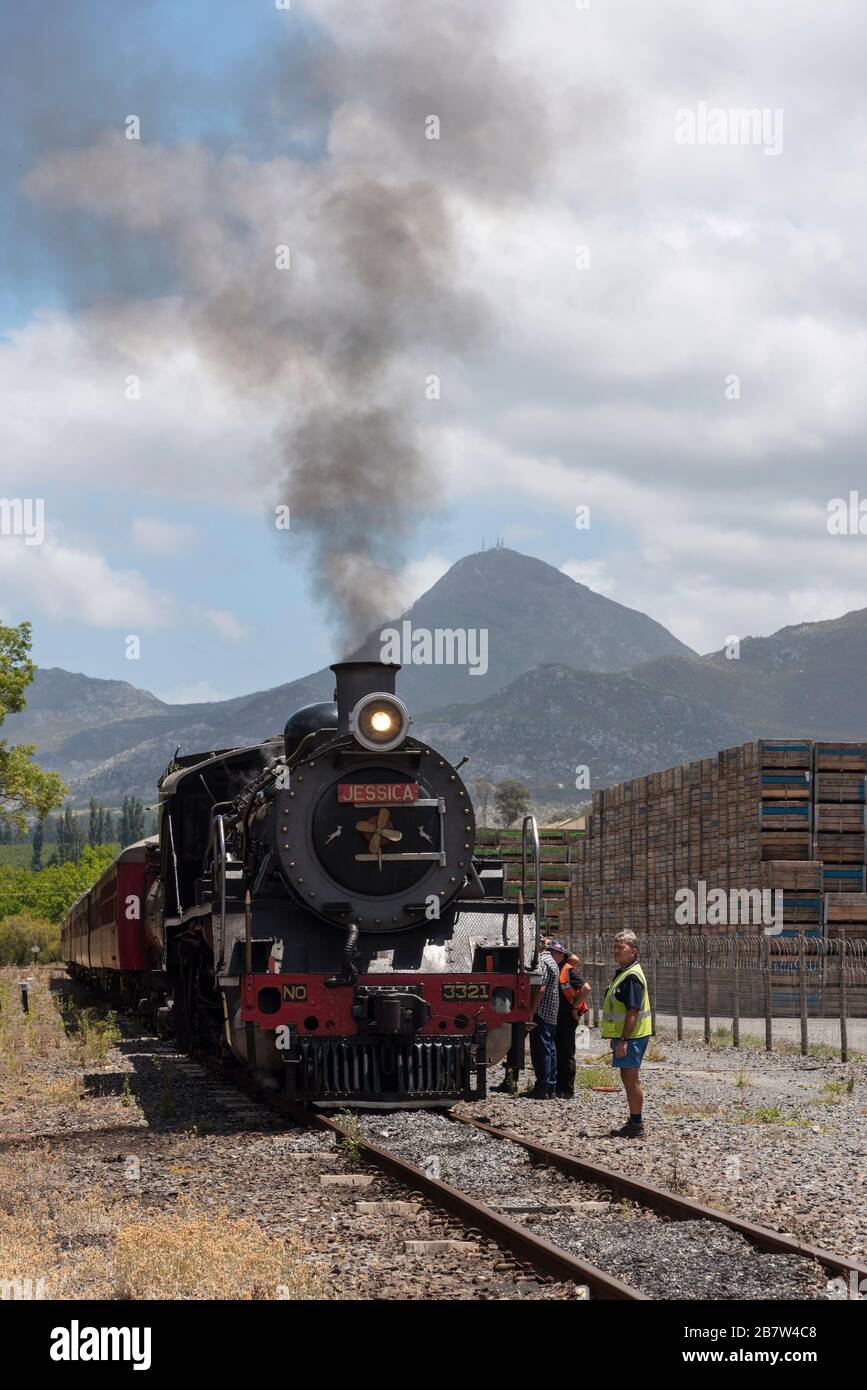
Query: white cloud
x=157, y=535
x=77, y=586
x=70, y=427
x=604, y=386
x=418, y=576
x=194, y=693
x=593, y=573
x=224, y=623
x=80, y=587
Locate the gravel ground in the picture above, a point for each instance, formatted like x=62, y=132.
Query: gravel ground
x=774, y=1138
x=147, y=1134
x=668, y=1260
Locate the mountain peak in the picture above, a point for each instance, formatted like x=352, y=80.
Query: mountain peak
x=529, y=613
x=510, y=612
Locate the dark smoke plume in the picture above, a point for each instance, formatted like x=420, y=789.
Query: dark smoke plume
x=376, y=298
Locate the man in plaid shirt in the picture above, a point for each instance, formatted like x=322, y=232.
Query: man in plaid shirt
x=543, y=1048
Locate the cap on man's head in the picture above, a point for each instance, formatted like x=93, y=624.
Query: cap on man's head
x=557, y=946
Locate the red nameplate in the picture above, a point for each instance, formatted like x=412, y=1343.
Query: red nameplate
x=377, y=793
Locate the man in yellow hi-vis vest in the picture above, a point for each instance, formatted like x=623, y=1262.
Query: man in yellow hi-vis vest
x=627, y=1021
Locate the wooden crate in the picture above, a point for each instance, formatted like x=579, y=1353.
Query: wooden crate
x=785, y=753
x=839, y=818
x=839, y=786
x=840, y=757
x=846, y=908
x=840, y=849
x=839, y=878
x=787, y=815
x=803, y=876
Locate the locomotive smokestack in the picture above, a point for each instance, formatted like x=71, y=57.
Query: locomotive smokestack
x=357, y=678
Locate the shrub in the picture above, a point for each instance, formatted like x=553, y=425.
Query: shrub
x=21, y=931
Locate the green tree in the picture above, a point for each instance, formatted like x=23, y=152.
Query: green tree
x=93, y=823
x=70, y=838
x=38, y=842
x=511, y=799
x=51, y=893
x=132, y=826
x=24, y=786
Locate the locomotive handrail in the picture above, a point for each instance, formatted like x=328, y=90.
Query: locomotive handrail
x=218, y=830
x=537, y=861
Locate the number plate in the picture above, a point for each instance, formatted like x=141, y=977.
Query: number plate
x=466, y=989
x=377, y=793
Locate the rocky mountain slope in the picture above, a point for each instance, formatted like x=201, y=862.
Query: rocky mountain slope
x=553, y=720
x=557, y=692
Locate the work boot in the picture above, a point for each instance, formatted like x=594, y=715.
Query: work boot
x=539, y=1093
x=565, y=1095
x=627, y=1131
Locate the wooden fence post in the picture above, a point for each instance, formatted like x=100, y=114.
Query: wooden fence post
x=736, y=997
x=599, y=992
x=679, y=986
x=706, y=986
x=769, y=1038
x=651, y=957
x=802, y=993
x=844, y=1028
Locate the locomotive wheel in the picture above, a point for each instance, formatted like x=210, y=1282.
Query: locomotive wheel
x=182, y=1013
x=195, y=1018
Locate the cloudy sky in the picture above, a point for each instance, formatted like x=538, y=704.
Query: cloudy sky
x=670, y=333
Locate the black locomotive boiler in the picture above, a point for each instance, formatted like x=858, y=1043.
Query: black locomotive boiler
x=319, y=911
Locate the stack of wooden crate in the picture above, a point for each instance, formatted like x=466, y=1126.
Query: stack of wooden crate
x=839, y=778
x=778, y=814
x=556, y=848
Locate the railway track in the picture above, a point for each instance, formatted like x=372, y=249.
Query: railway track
x=525, y=1245
x=657, y=1243
x=533, y=1247
x=664, y=1202
x=539, y=1242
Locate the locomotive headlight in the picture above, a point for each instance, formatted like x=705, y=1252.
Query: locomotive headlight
x=379, y=722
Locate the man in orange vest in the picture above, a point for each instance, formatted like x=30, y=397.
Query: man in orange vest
x=574, y=994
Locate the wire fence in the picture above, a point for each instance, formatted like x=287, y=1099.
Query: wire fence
x=739, y=975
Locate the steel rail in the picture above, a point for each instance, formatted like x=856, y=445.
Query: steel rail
x=659, y=1199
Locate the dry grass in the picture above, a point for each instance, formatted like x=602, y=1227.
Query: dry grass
x=213, y=1255
x=589, y=1076
x=94, y=1031
x=95, y=1243
x=49, y=1234
x=43, y=1053
x=97, y=1246
x=692, y=1112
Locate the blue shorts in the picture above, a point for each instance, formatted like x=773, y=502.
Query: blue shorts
x=635, y=1050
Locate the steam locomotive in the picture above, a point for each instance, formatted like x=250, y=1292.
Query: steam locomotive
x=313, y=905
